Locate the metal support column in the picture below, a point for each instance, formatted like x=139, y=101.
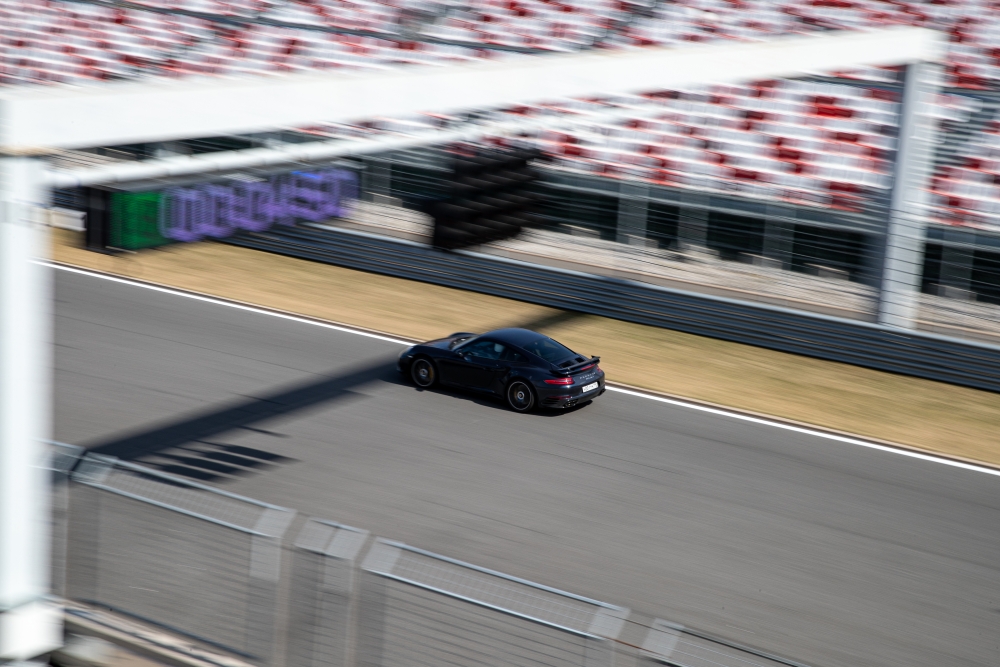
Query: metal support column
x=903, y=250
x=377, y=178
x=957, y=257
x=97, y=235
x=692, y=228
x=30, y=624
x=633, y=200
x=779, y=238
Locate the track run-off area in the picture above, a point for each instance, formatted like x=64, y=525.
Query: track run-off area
x=824, y=549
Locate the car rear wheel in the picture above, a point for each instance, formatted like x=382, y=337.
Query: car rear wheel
x=520, y=396
x=423, y=373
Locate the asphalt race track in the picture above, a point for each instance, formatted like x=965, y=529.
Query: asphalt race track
x=825, y=552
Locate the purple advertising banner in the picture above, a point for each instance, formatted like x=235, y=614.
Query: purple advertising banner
x=217, y=210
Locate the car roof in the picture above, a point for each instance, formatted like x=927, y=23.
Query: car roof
x=514, y=336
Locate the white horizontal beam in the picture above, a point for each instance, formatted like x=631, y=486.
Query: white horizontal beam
x=36, y=119
x=252, y=158
x=318, y=151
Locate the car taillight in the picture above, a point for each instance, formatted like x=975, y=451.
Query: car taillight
x=560, y=381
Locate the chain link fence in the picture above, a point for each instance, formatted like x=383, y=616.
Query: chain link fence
x=187, y=557
x=419, y=608
x=206, y=565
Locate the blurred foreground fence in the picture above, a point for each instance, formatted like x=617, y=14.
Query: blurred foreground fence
x=924, y=355
x=676, y=646
x=323, y=582
x=214, y=568
x=188, y=557
x=419, y=608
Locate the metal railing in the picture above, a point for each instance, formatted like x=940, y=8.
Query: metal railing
x=63, y=458
x=420, y=608
x=188, y=557
x=322, y=589
x=674, y=645
x=207, y=566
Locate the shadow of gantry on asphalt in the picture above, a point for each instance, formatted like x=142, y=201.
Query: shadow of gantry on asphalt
x=188, y=445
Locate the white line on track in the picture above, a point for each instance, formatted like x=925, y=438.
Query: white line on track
x=630, y=392
x=808, y=431
x=224, y=302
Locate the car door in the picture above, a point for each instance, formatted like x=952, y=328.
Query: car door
x=510, y=359
x=475, y=365
x=455, y=370
x=494, y=367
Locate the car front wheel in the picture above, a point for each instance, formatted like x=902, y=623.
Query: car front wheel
x=520, y=396
x=423, y=373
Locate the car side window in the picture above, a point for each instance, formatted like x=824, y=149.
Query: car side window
x=485, y=349
x=513, y=356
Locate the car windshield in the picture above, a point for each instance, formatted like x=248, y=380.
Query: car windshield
x=461, y=341
x=549, y=350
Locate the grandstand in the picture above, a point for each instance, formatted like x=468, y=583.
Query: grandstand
x=967, y=188
x=62, y=41
x=825, y=143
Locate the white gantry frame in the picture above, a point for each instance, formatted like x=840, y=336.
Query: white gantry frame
x=119, y=113
x=37, y=120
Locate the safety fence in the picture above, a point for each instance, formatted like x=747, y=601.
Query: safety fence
x=674, y=645
x=419, y=608
x=216, y=569
x=63, y=458
x=323, y=582
x=188, y=557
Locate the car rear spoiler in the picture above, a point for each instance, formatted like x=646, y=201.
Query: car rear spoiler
x=593, y=361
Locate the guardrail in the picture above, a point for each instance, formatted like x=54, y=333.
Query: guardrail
x=918, y=354
x=190, y=558
x=202, y=574
x=420, y=608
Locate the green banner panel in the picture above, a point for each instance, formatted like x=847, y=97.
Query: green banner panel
x=135, y=220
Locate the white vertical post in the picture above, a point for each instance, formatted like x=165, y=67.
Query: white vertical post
x=903, y=253
x=30, y=624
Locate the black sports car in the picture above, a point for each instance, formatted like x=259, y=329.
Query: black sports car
x=526, y=368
